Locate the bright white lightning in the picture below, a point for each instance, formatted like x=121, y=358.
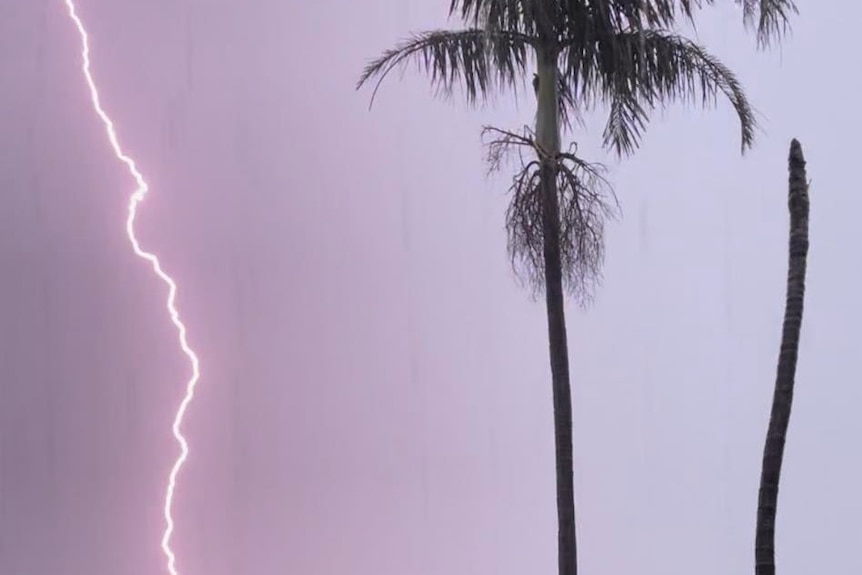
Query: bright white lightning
x=136, y=198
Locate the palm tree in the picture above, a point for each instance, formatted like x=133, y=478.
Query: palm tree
x=621, y=54
x=782, y=400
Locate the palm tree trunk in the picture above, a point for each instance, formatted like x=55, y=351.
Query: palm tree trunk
x=782, y=400
x=548, y=139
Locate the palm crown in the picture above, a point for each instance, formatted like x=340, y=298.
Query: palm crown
x=620, y=53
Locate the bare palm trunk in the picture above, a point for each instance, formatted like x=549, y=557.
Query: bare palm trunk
x=548, y=139
x=773, y=452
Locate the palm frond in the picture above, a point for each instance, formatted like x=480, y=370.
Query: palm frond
x=481, y=61
x=642, y=70
x=634, y=14
x=570, y=112
x=627, y=121
x=527, y=17
x=770, y=18
x=561, y=19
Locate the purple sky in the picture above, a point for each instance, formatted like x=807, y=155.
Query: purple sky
x=375, y=395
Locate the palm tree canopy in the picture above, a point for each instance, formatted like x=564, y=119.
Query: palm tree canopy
x=768, y=17
x=645, y=69
x=616, y=53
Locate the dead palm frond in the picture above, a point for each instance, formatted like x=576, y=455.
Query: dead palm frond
x=586, y=201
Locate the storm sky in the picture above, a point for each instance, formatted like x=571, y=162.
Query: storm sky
x=376, y=392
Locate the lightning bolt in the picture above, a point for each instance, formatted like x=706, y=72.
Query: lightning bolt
x=136, y=198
